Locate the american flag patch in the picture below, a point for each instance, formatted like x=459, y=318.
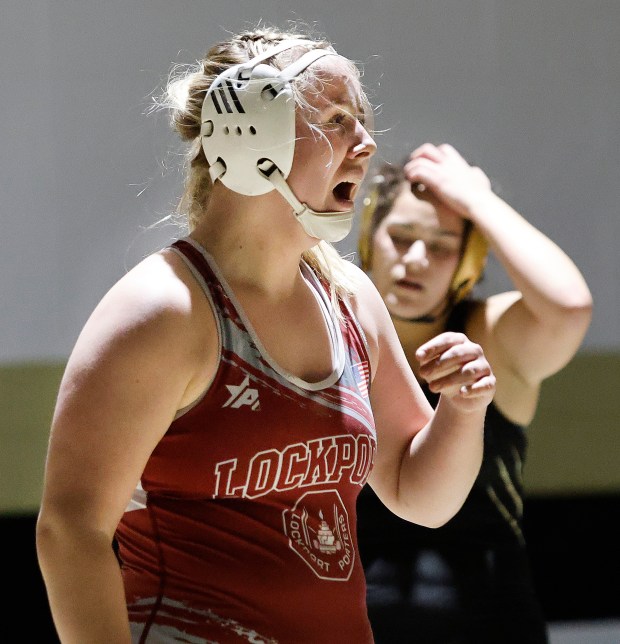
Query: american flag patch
x=361, y=371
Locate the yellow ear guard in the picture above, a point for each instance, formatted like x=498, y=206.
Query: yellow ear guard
x=364, y=241
x=472, y=263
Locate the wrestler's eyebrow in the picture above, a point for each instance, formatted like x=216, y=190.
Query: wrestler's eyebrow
x=414, y=228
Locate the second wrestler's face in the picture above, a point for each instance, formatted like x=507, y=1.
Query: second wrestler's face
x=416, y=250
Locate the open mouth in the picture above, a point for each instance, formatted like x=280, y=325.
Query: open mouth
x=409, y=284
x=345, y=191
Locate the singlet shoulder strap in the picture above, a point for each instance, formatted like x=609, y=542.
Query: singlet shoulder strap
x=206, y=273
x=458, y=316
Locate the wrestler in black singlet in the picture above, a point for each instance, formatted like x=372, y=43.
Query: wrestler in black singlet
x=468, y=582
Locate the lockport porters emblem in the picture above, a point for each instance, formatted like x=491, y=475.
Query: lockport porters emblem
x=318, y=531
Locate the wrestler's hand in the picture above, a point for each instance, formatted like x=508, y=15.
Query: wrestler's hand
x=456, y=367
x=442, y=171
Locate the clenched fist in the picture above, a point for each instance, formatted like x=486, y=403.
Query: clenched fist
x=456, y=367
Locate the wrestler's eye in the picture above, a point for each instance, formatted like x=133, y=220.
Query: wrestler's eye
x=335, y=122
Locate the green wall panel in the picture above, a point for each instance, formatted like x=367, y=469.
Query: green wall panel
x=574, y=445
x=27, y=395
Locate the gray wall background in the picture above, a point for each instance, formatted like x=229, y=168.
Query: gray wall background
x=528, y=90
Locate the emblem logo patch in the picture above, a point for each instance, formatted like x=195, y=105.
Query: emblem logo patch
x=318, y=531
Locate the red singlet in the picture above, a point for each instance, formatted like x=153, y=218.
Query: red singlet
x=243, y=526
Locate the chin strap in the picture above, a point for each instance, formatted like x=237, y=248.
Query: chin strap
x=427, y=319
x=330, y=226
x=423, y=319
x=216, y=170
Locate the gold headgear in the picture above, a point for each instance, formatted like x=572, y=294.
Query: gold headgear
x=364, y=241
x=469, y=269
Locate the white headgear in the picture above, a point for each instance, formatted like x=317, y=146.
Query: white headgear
x=248, y=134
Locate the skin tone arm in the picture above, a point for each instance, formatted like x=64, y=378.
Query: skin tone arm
x=426, y=463
x=532, y=332
x=113, y=407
